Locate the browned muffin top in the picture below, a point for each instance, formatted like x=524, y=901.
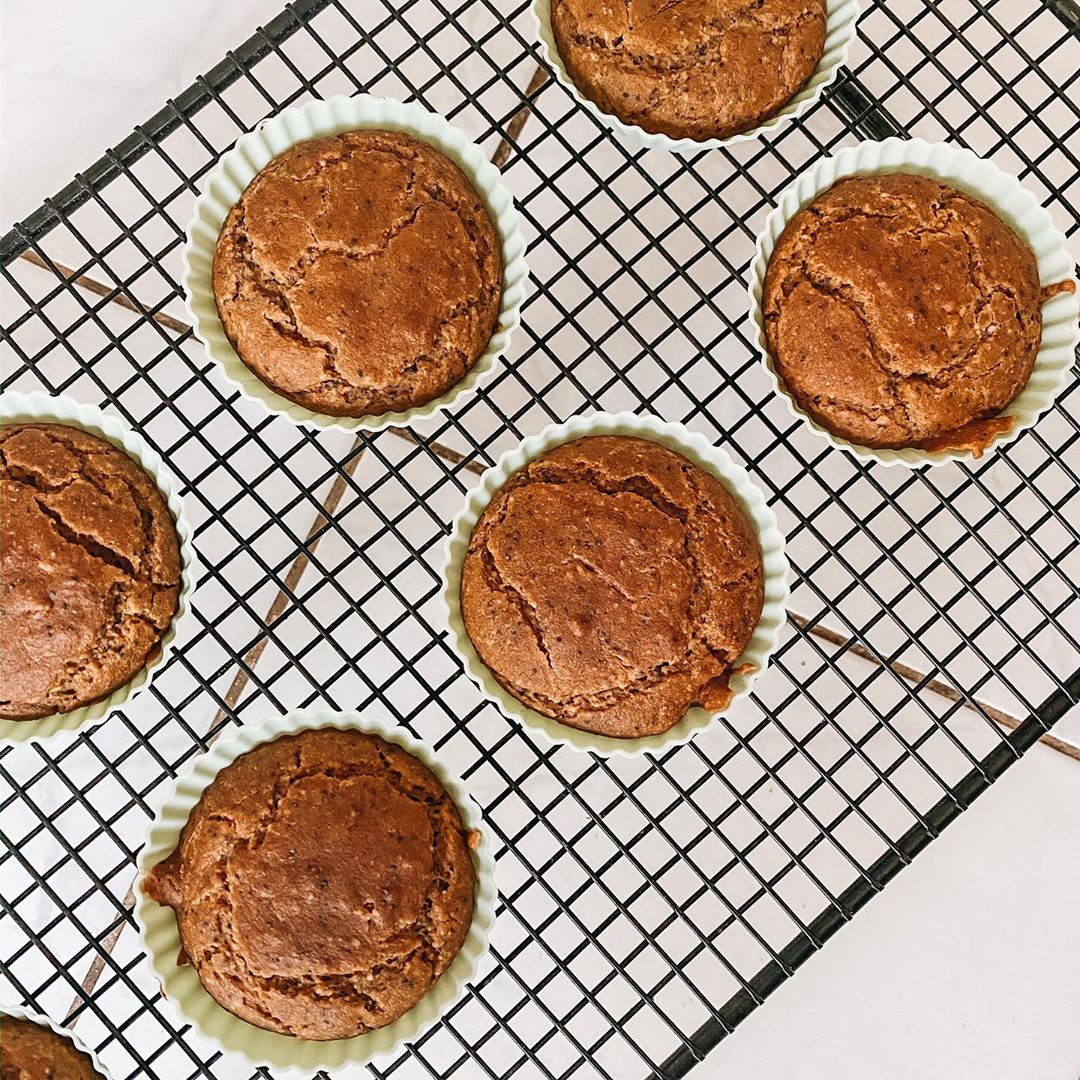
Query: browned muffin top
x=322, y=884
x=695, y=69
x=611, y=584
x=359, y=273
x=30, y=1051
x=89, y=569
x=900, y=312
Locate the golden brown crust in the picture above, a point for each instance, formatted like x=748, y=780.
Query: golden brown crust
x=694, y=69
x=611, y=584
x=322, y=884
x=89, y=569
x=30, y=1051
x=899, y=311
x=359, y=273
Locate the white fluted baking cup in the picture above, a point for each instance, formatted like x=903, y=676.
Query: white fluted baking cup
x=17, y=408
x=697, y=449
x=842, y=17
x=181, y=986
x=1017, y=207
x=254, y=151
x=19, y=1012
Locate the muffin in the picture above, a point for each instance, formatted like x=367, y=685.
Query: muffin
x=900, y=312
x=89, y=569
x=30, y=1051
x=611, y=584
x=359, y=273
x=695, y=69
x=321, y=885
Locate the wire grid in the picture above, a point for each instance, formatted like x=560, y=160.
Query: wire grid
x=646, y=905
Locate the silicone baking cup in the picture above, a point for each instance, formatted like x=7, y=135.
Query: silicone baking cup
x=1004, y=194
x=16, y=408
x=842, y=17
x=272, y=137
x=702, y=453
x=19, y=1013
x=181, y=986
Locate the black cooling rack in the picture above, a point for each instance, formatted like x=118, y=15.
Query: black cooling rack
x=647, y=905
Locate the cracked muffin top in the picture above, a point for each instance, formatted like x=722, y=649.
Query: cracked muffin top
x=359, y=274
x=612, y=584
x=321, y=885
x=89, y=569
x=31, y=1051
x=900, y=312
x=696, y=69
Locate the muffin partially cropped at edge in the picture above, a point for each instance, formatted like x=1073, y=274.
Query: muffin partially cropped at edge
x=89, y=569
x=612, y=584
x=32, y=1051
x=322, y=884
x=697, y=69
x=359, y=273
x=901, y=312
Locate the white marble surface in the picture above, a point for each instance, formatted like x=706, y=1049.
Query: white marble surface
x=77, y=77
x=967, y=967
